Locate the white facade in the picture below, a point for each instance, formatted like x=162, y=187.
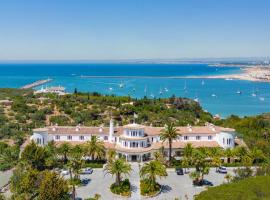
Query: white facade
x=137, y=142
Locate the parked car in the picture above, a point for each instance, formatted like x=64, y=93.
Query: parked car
x=222, y=170
x=206, y=182
x=179, y=171
x=64, y=172
x=202, y=183
x=85, y=181
x=87, y=171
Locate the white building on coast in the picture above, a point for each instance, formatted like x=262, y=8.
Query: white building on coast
x=137, y=142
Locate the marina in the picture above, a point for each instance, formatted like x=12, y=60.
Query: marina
x=217, y=96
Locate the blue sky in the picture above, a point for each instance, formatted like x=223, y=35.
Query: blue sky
x=133, y=29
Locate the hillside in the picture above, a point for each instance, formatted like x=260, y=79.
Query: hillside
x=29, y=111
x=254, y=188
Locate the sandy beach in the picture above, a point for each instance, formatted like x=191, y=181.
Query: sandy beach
x=256, y=73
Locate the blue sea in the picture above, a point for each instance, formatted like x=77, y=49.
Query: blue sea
x=217, y=96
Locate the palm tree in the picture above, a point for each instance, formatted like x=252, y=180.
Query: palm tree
x=159, y=156
x=64, y=149
x=169, y=133
x=256, y=155
x=111, y=155
x=185, y=163
x=152, y=170
x=117, y=168
x=216, y=161
x=95, y=148
x=75, y=164
x=188, y=150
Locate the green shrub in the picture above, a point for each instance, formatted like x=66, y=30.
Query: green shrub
x=122, y=189
x=148, y=189
x=247, y=189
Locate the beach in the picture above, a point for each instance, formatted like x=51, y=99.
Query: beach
x=254, y=73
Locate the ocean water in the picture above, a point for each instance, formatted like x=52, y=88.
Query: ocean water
x=217, y=96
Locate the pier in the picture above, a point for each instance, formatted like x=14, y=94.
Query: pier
x=36, y=83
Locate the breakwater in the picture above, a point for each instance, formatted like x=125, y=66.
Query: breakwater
x=36, y=83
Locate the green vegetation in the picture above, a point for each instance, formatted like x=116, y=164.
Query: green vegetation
x=149, y=173
x=30, y=111
x=254, y=130
x=9, y=156
x=249, y=189
x=169, y=134
x=34, y=172
x=117, y=168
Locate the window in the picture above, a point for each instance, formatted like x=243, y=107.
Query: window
x=185, y=137
x=81, y=137
x=105, y=137
x=198, y=137
x=69, y=137
x=209, y=137
x=223, y=140
x=57, y=137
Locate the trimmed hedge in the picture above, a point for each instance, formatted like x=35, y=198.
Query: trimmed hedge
x=122, y=189
x=252, y=188
x=147, y=189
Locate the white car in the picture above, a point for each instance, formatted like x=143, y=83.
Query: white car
x=64, y=172
x=87, y=171
x=222, y=170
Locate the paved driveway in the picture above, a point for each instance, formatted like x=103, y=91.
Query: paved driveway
x=174, y=186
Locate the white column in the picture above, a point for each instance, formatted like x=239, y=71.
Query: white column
x=111, y=131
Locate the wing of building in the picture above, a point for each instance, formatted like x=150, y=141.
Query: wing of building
x=137, y=142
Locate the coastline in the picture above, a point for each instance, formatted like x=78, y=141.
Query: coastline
x=251, y=73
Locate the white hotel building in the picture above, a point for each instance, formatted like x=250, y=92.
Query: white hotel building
x=137, y=142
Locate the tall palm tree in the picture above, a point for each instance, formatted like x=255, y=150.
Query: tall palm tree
x=169, y=133
x=256, y=155
x=188, y=150
x=117, y=168
x=152, y=170
x=64, y=149
x=111, y=155
x=95, y=148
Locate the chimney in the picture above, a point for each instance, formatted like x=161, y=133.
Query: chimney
x=111, y=131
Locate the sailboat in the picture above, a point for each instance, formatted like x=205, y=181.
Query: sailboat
x=238, y=92
x=121, y=85
x=261, y=98
x=185, y=86
x=203, y=82
x=160, y=92
x=254, y=94
x=197, y=100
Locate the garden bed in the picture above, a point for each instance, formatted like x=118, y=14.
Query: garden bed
x=148, y=190
x=123, y=189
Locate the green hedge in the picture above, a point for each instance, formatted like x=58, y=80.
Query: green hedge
x=147, y=189
x=122, y=189
x=249, y=189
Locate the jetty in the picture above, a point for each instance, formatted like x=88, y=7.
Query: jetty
x=36, y=83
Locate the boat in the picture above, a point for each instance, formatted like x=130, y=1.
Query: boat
x=228, y=79
x=261, y=98
x=166, y=90
x=214, y=95
x=110, y=88
x=203, y=83
x=238, y=92
x=197, y=100
x=185, y=86
x=121, y=85
x=160, y=92
x=153, y=96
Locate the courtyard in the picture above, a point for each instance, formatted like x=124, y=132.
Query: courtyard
x=173, y=186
